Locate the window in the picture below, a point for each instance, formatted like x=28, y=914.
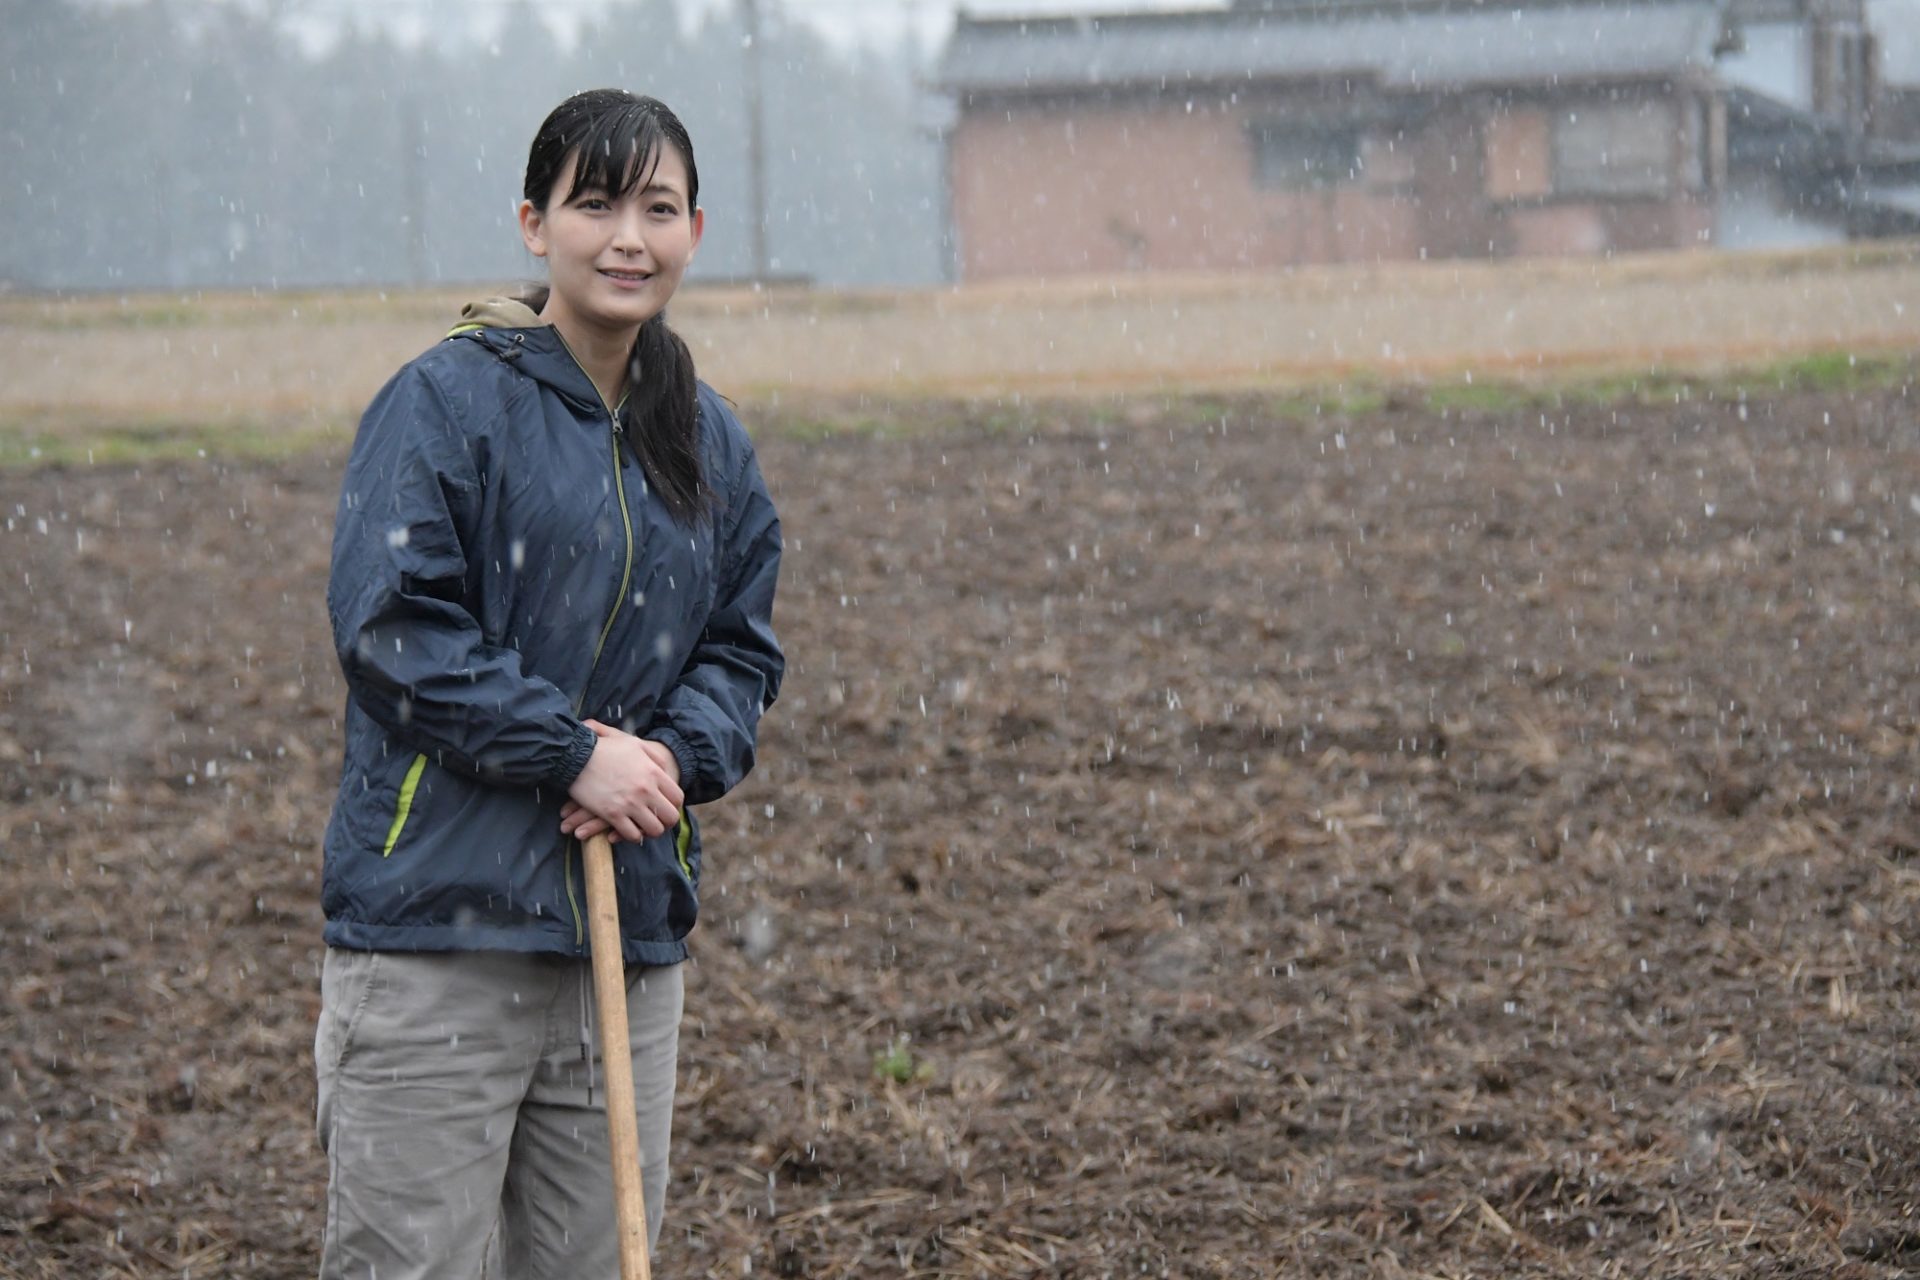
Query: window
x=1613, y=149
x=1302, y=156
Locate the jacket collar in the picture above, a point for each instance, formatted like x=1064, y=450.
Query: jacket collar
x=518, y=336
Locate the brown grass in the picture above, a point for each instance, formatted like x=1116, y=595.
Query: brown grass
x=313, y=359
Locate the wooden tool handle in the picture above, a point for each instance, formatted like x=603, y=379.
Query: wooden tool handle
x=610, y=1001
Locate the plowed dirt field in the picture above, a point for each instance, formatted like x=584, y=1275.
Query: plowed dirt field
x=1404, y=844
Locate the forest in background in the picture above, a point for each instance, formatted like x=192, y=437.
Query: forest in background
x=167, y=145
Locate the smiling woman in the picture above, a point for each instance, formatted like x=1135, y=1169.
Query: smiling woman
x=551, y=594
x=616, y=245
x=612, y=202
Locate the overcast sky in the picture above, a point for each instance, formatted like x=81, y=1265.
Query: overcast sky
x=882, y=23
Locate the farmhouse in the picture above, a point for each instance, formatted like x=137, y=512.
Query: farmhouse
x=1298, y=131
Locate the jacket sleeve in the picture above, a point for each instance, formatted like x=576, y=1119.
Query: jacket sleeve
x=414, y=658
x=710, y=719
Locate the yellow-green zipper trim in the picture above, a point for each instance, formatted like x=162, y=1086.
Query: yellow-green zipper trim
x=404, y=805
x=681, y=840
x=566, y=863
x=606, y=628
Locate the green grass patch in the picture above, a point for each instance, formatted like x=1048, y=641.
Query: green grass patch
x=1359, y=399
x=1841, y=371
x=1826, y=372
x=55, y=436
x=42, y=442
x=815, y=427
x=1206, y=407
x=1482, y=397
x=1341, y=399
x=1821, y=372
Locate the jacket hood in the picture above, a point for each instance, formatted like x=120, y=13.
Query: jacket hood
x=517, y=334
x=498, y=313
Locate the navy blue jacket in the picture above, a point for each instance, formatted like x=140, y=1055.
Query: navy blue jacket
x=500, y=574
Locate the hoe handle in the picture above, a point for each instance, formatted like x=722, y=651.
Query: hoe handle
x=610, y=1001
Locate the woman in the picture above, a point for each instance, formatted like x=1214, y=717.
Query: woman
x=552, y=589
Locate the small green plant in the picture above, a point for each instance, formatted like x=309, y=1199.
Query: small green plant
x=897, y=1063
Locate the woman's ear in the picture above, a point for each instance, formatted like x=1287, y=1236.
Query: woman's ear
x=533, y=229
x=699, y=229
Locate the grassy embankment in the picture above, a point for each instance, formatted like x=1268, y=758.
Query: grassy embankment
x=106, y=379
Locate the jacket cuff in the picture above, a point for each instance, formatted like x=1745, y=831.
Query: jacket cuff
x=575, y=760
x=682, y=754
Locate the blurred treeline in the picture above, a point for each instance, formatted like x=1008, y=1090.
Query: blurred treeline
x=156, y=145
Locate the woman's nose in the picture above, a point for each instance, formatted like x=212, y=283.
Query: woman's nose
x=629, y=230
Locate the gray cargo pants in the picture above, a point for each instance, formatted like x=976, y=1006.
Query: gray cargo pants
x=461, y=1107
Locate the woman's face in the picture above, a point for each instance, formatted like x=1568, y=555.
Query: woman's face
x=614, y=261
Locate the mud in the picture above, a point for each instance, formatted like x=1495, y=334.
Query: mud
x=1191, y=842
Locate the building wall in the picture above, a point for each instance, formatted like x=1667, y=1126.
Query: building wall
x=1170, y=182
x=1144, y=185
x=1664, y=200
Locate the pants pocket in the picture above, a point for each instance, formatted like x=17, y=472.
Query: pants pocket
x=346, y=981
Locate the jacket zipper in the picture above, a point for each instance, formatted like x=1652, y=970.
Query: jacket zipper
x=606, y=628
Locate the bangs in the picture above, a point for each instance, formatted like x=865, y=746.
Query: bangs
x=619, y=153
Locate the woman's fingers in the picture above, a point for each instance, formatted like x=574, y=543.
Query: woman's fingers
x=584, y=825
x=649, y=819
x=577, y=820
x=649, y=823
x=623, y=786
x=668, y=813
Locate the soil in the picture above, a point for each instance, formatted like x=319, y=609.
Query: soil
x=1190, y=843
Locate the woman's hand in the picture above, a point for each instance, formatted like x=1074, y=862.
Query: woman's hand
x=630, y=787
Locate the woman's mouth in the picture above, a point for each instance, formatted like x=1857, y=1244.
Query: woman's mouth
x=627, y=277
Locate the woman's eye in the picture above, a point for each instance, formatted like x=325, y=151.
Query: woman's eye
x=592, y=202
x=666, y=210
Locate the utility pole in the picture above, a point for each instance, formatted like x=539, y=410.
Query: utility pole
x=413, y=186
x=756, y=141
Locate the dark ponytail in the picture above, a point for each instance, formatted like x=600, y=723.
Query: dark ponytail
x=663, y=419
x=615, y=139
